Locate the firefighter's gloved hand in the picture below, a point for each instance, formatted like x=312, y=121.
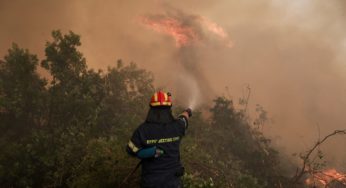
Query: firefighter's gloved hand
x=189, y=111
x=159, y=152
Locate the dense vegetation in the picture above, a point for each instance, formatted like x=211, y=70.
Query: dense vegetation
x=71, y=130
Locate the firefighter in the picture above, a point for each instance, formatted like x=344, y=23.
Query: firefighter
x=156, y=142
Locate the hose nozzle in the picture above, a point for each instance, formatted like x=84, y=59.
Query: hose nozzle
x=189, y=111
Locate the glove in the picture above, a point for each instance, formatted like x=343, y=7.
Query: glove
x=189, y=111
x=159, y=152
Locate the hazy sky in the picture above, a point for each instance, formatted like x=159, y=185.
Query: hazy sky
x=290, y=52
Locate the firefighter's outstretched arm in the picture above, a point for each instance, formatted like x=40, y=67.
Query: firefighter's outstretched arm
x=184, y=117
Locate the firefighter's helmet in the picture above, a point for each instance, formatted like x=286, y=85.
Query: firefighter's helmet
x=161, y=98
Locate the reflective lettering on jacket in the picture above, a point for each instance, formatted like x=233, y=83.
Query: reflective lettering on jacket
x=163, y=140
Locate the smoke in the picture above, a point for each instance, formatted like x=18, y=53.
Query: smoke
x=291, y=53
x=189, y=32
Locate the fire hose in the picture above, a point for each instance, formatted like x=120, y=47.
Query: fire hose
x=130, y=174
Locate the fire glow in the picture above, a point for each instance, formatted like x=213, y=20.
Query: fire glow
x=183, y=34
x=325, y=177
x=186, y=30
x=189, y=32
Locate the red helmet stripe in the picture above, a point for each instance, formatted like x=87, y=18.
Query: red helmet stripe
x=161, y=98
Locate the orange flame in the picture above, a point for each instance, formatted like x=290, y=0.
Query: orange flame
x=327, y=176
x=184, y=30
x=183, y=34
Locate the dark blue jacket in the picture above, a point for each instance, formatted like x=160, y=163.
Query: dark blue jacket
x=166, y=169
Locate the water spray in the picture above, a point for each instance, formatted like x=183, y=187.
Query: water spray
x=192, y=90
x=195, y=94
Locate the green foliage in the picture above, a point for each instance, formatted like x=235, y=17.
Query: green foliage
x=21, y=90
x=229, y=150
x=192, y=181
x=63, y=59
x=246, y=181
x=100, y=165
x=71, y=132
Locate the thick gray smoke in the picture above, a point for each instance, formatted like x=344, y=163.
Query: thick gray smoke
x=291, y=53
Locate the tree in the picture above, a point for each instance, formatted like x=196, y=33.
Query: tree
x=22, y=91
x=63, y=60
x=22, y=96
x=258, y=161
x=68, y=89
x=128, y=89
